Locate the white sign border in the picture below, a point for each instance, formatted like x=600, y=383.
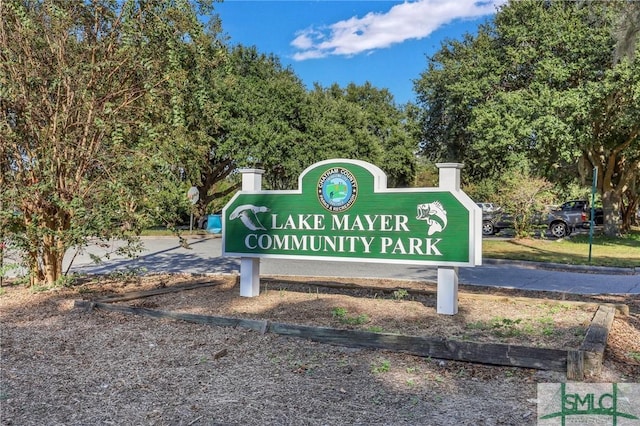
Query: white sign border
x=379, y=186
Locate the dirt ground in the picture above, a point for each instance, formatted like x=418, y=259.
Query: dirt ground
x=65, y=365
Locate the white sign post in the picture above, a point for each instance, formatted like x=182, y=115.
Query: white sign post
x=447, y=299
x=250, y=266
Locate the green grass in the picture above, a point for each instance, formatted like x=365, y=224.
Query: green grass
x=618, y=252
x=341, y=315
x=381, y=367
x=400, y=294
x=506, y=327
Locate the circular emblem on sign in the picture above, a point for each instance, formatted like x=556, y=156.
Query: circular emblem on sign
x=337, y=189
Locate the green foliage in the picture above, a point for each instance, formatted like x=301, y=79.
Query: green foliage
x=91, y=135
x=400, y=294
x=523, y=196
x=5, y=268
x=388, y=126
x=263, y=117
x=381, y=367
x=483, y=191
x=104, y=138
x=427, y=174
x=548, y=326
x=499, y=326
x=339, y=312
x=574, y=191
x=342, y=316
x=507, y=327
x=270, y=120
x=538, y=86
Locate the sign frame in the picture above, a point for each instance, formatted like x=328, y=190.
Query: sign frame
x=474, y=249
x=449, y=180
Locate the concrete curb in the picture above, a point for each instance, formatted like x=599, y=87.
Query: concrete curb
x=185, y=236
x=585, y=269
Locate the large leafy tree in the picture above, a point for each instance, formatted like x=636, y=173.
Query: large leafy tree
x=268, y=119
x=338, y=127
x=546, y=83
x=361, y=122
x=627, y=35
x=246, y=113
x=389, y=125
x=85, y=126
x=263, y=121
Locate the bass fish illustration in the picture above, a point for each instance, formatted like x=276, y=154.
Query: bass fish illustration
x=434, y=214
x=247, y=215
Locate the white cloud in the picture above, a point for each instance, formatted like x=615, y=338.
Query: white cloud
x=409, y=20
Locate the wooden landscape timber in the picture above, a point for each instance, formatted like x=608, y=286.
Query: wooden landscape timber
x=576, y=363
x=589, y=358
x=157, y=292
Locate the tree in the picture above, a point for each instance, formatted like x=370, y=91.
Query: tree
x=541, y=84
x=264, y=123
x=251, y=118
x=84, y=122
x=460, y=76
x=338, y=128
x=524, y=196
x=362, y=122
x=266, y=118
x=388, y=124
x=627, y=35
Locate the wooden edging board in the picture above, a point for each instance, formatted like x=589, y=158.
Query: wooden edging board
x=576, y=363
x=487, y=353
x=157, y=292
x=587, y=361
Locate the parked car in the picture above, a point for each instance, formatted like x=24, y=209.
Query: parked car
x=494, y=219
x=488, y=207
x=494, y=222
x=562, y=221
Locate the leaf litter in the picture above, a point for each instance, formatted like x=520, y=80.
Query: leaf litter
x=64, y=365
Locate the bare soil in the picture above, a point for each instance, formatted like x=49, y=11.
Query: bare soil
x=64, y=365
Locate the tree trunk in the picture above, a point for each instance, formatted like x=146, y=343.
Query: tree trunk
x=46, y=264
x=52, y=264
x=46, y=248
x=36, y=276
x=629, y=213
x=611, y=210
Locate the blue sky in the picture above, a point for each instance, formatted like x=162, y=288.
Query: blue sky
x=384, y=42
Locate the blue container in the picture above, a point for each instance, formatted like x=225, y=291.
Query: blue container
x=214, y=224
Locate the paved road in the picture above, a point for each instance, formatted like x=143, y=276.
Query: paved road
x=204, y=256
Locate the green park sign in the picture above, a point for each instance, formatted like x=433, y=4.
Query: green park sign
x=343, y=210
